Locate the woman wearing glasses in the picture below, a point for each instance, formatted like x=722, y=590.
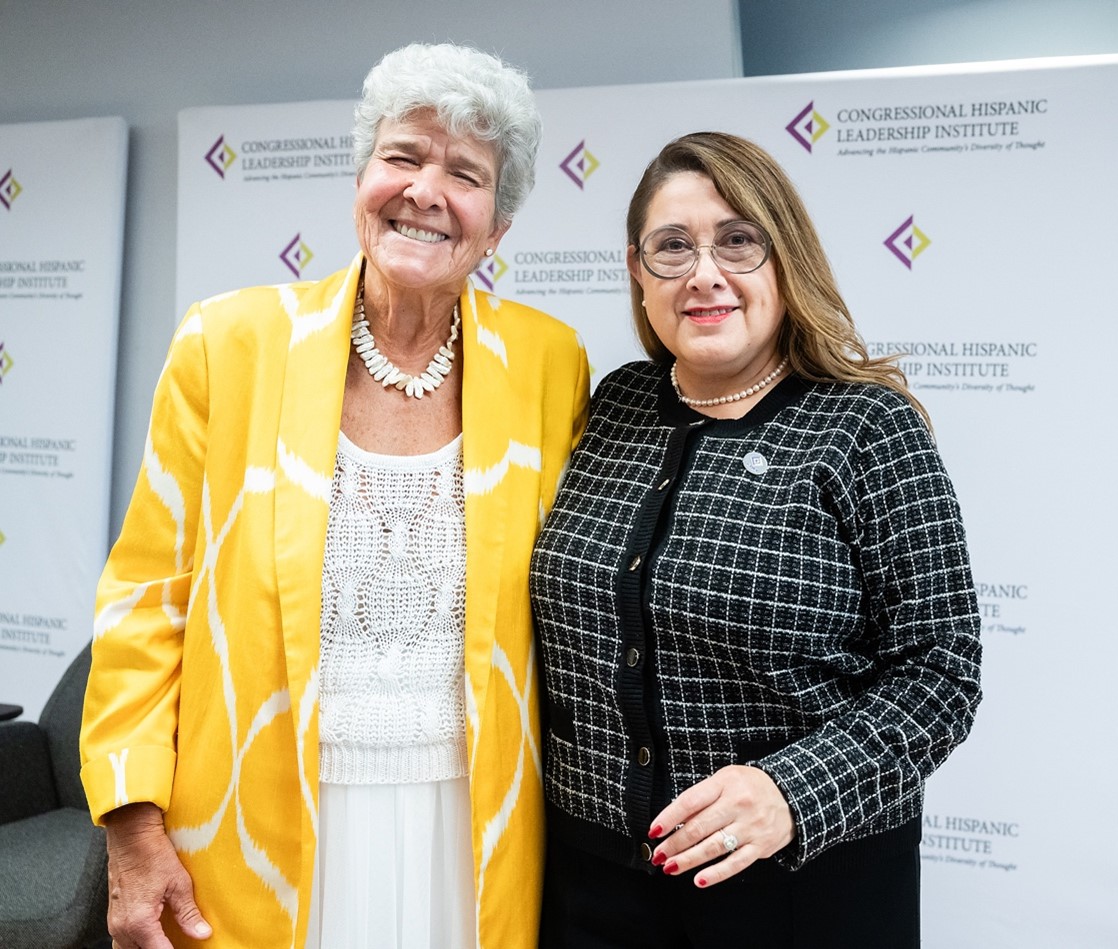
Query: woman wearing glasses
x=753, y=598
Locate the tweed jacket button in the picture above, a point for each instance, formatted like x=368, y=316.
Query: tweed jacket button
x=634, y=563
x=644, y=756
x=632, y=656
x=646, y=853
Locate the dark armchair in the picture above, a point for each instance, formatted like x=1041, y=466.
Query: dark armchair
x=53, y=870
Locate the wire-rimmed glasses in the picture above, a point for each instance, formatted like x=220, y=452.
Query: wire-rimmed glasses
x=739, y=247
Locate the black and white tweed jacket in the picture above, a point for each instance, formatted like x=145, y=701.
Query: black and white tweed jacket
x=791, y=590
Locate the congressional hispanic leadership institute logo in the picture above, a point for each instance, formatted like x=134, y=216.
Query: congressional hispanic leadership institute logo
x=220, y=157
x=490, y=271
x=808, y=127
x=296, y=255
x=10, y=189
x=579, y=164
x=908, y=242
x=6, y=362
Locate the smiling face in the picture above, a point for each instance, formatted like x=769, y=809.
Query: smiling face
x=425, y=210
x=723, y=328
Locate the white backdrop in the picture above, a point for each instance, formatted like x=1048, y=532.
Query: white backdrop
x=969, y=213
x=61, y=230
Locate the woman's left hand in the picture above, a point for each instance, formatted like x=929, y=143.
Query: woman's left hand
x=737, y=814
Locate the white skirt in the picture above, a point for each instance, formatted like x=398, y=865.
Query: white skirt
x=395, y=867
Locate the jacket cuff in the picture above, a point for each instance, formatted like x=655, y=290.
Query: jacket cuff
x=130, y=776
x=787, y=780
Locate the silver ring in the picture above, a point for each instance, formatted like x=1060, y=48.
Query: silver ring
x=729, y=841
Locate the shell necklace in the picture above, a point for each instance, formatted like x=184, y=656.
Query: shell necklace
x=381, y=367
x=735, y=397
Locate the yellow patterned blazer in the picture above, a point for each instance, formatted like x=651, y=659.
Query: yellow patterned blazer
x=203, y=692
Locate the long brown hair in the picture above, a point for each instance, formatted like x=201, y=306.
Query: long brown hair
x=818, y=334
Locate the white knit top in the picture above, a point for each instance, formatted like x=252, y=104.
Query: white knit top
x=392, y=695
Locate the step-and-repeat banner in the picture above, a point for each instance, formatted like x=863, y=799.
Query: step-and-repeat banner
x=61, y=231
x=970, y=214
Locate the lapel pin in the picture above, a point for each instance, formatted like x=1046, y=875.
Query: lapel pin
x=755, y=463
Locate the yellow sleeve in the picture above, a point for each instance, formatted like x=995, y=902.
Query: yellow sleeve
x=128, y=737
x=581, y=410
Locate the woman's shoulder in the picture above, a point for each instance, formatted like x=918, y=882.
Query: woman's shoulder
x=265, y=310
x=640, y=375
x=866, y=411
x=520, y=319
x=630, y=388
x=864, y=399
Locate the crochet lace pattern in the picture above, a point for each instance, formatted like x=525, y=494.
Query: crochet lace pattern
x=393, y=610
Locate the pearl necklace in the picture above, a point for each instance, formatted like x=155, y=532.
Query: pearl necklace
x=381, y=367
x=736, y=397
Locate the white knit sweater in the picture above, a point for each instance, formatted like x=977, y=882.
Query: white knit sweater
x=393, y=611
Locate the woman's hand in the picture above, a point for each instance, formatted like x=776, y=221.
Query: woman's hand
x=145, y=875
x=737, y=814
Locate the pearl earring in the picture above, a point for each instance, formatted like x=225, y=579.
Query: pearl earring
x=488, y=251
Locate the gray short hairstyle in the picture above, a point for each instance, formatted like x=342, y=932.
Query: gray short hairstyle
x=472, y=93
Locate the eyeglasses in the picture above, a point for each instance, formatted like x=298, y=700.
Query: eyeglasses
x=739, y=247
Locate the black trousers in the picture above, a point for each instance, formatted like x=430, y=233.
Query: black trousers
x=863, y=899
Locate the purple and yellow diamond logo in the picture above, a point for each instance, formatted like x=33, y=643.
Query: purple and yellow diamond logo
x=220, y=156
x=908, y=242
x=491, y=270
x=10, y=189
x=579, y=164
x=296, y=255
x=808, y=127
x=6, y=362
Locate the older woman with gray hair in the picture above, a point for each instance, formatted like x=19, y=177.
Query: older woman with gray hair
x=311, y=718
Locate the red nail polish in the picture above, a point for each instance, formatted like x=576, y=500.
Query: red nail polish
x=701, y=881
x=656, y=831
x=671, y=867
x=658, y=858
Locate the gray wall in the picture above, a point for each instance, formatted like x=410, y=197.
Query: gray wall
x=147, y=59
x=793, y=36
